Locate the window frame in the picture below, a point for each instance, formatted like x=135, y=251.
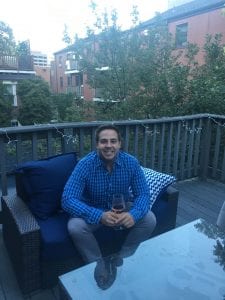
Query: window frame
x=181, y=37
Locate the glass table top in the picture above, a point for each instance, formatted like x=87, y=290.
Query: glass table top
x=186, y=263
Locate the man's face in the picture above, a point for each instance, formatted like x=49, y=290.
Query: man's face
x=108, y=144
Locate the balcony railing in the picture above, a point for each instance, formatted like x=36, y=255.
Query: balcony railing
x=19, y=63
x=187, y=147
x=78, y=90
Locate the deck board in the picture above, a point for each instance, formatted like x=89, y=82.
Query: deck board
x=197, y=199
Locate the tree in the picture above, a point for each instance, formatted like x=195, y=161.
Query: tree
x=23, y=48
x=109, y=58
x=66, y=38
x=7, y=42
x=36, y=105
x=6, y=108
x=206, y=89
x=135, y=71
x=139, y=75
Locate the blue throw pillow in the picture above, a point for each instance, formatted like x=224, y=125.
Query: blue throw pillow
x=157, y=182
x=41, y=182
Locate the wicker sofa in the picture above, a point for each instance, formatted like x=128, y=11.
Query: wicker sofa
x=39, y=247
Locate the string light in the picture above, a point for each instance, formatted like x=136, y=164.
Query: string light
x=74, y=139
x=68, y=138
x=216, y=122
x=196, y=130
x=10, y=141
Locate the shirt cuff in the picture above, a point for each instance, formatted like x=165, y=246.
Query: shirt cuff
x=95, y=216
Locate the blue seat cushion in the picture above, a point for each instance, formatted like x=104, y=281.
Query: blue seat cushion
x=56, y=243
x=41, y=182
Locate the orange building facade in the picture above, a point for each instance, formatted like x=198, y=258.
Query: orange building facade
x=198, y=26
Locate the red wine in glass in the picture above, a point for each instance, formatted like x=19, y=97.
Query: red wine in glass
x=118, y=203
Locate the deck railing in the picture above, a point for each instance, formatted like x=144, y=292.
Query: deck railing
x=187, y=146
x=22, y=62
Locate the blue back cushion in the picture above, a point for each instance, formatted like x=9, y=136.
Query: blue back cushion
x=41, y=182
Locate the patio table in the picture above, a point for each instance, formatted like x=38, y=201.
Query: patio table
x=185, y=263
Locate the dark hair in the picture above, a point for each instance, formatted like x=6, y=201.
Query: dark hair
x=105, y=127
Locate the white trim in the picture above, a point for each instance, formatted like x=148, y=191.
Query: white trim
x=9, y=82
x=103, y=100
x=17, y=72
x=103, y=68
x=72, y=72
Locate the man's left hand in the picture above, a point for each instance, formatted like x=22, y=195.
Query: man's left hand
x=125, y=219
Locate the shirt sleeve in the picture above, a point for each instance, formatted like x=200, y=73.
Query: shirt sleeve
x=141, y=194
x=72, y=196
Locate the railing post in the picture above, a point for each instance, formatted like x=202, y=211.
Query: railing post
x=205, y=149
x=3, y=167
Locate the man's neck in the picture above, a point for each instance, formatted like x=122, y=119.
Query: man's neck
x=109, y=166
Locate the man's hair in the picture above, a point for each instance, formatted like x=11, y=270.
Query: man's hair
x=105, y=127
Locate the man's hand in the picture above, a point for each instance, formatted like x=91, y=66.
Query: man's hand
x=109, y=218
x=124, y=219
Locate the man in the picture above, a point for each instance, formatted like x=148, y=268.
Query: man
x=87, y=197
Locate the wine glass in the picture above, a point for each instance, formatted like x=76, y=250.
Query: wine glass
x=118, y=203
x=118, y=206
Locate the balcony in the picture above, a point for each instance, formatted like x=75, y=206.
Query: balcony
x=13, y=68
x=72, y=66
x=190, y=147
x=77, y=90
x=18, y=63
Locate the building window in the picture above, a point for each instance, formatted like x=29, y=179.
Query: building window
x=181, y=35
x=61, y=82
x=60, y=61
x=11, y=91
x=69, y=80
x=79, y=79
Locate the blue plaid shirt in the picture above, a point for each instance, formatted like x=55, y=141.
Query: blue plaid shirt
x=88, y=192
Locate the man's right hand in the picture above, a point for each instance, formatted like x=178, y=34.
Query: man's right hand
x=109, y=218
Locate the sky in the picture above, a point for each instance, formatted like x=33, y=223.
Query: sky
x=42, y=22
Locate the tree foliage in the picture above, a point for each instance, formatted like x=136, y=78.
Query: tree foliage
x=36, y=105
x=69, y=108
x=6, y=109
x=7, y=41
x=23, y=48
x=206, y=88
x=8, y=45
x=138, y=74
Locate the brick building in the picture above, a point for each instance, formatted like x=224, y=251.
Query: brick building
x=189, y=22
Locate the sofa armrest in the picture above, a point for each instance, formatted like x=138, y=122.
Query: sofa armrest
x=21, y=234
x=172, y=196
x=172, y=193
x=165, y=209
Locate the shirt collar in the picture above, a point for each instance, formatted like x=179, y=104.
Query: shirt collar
x=99, y=161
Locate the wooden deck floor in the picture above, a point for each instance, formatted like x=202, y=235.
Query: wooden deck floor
x=198, y=199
